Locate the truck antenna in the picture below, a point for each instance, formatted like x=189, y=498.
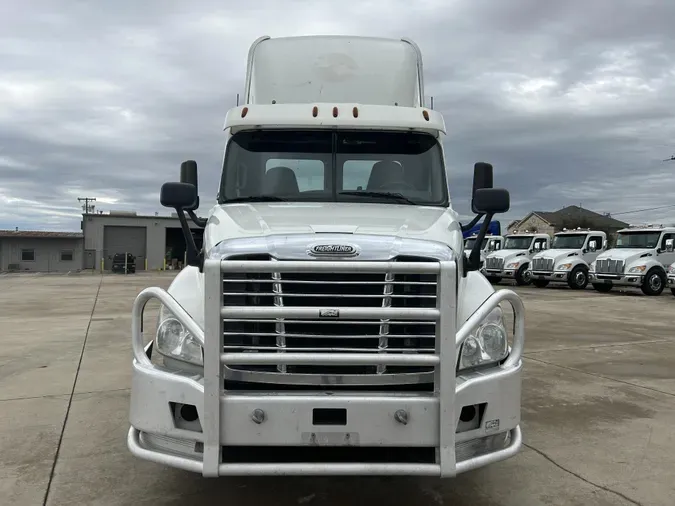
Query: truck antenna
x=237, y=99
x=432, y=102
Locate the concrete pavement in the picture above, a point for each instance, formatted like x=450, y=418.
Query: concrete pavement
x=598, y=413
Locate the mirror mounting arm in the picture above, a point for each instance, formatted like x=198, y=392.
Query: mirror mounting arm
x=200, y=222
x=195, y=257
x=472, y=223
x=473, y=262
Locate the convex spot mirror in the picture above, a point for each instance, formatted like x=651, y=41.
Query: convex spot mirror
x=178, y=195
x=669, y=245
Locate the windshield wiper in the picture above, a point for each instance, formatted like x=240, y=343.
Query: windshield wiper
x=256, y=198
x=387, y=195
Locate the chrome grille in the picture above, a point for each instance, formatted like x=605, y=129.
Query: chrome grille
x=316, y=336
x=542, y=264
x=494, y=263
x=609, y=266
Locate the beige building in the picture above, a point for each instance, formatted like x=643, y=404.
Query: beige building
x=37, y=251
x=568, y=217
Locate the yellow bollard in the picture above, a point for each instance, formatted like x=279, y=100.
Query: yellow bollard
x=164, y=268
x=146, y=264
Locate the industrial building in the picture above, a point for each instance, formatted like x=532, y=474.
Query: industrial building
x=157, y=242
x=36, y=251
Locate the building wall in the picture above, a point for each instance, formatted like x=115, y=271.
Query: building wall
x=155, y=250
x=533, y=223
x=47, y=254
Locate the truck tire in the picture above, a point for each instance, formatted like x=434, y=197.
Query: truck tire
x=578, y=279
x=602, y=287
x=493, y=279
x=654, y=282
x=522, y=277
x=672, y=290
x=540, y=283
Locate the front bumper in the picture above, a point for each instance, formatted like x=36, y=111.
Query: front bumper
x=616, y=279
x=670, y=281
x=501, y=273
x=357, y=422
x=560, y=276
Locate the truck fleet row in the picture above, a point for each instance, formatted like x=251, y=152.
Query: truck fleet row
x=641, y=257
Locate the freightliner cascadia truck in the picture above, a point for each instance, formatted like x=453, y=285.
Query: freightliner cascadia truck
x=330, y=323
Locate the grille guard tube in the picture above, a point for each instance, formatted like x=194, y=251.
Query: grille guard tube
x=447, y=343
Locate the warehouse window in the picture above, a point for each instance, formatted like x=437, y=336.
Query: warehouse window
x=67, y=256
x=28, y=255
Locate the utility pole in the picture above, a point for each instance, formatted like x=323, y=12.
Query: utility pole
x=87, y=208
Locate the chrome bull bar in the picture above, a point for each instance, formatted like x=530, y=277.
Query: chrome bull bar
x=448, y=343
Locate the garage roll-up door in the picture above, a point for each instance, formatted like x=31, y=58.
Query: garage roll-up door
x=120, y=239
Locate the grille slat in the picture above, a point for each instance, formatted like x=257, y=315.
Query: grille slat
x=494, y=263
x=330, y=291
x=609, y=266
x=542, y=264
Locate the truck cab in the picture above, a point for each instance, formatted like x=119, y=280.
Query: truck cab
x=512, y=261
x=639, y=258
x=569, y=258
x=490, y=243
x=329, y=324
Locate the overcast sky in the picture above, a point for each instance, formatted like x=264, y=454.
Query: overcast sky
x=572, y=101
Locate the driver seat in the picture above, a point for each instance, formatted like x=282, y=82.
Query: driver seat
x=384, y=172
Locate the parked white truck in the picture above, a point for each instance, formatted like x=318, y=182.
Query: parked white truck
x=490, y=243
x=513, y=260
x=330, y=324
x=639, y=258
x=671, y=278
x=568, y=260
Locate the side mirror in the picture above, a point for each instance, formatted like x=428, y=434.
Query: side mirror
x=482, y=179
x=669, y=245
x=592, y=246
x=490, y=201
x=188, y=174
x=180, y=196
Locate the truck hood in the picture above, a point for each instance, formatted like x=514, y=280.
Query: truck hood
x=232, y=221
x=625, y=254
x=508, y=254
x=556, y=254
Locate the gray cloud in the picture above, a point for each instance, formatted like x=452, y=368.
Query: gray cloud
x=569, y=100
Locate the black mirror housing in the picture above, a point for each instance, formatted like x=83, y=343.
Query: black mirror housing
x=188, y=174
x=482, y=179
x=180, y=196
x=491, y=201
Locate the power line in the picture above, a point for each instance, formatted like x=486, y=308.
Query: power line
x=641, y=210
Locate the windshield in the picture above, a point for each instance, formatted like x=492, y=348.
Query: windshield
x=327, y=166
x=637, y=240
x=519, y=242
x=470, y=242
x=569, y=241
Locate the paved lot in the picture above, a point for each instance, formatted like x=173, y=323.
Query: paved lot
x=599, y=408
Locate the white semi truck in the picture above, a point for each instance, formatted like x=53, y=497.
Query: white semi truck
x=513, y=260
x=330, y=324
x=490, y=243
x=568, y=260
x=639, y=258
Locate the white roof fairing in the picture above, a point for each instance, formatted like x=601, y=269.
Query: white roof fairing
x=341, y=69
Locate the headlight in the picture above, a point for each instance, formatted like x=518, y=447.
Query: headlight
x=592, y=266
x=488, y=344
x=513, y=265
x=564, y=267
x=173, y=340
x=671, y=269
x=637, y=268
